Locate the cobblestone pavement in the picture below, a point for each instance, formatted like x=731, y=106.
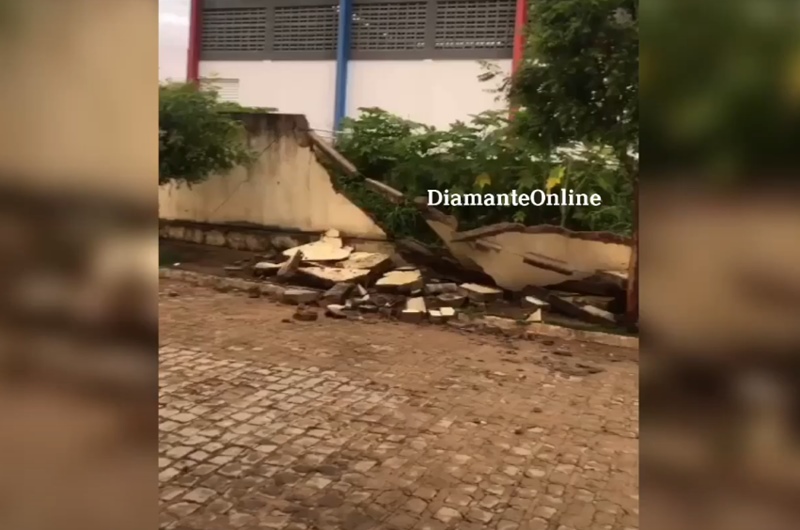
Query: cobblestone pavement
x=273, y=423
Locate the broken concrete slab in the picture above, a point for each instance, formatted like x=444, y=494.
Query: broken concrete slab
x=412, y=316
x=326, y=277
x=516, y=256
x=532, y=301
x=338, y=293
x=441, y=315
x=440, y=261
x=416, y=304
x=359, y=301
x=299, y=296
x=436, y=316
x=326, y=249
x=400, y=281
x=290, y=266
x=414, y=311
x=585, y=313
x=375, y=262
x=601, y=314
x=335, y=311
x=480, y=293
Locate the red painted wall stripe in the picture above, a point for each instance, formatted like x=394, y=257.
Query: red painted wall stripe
x=519, y=34
x=521, y=21
x=193, y=53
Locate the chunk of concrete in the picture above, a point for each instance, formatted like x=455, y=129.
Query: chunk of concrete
x=411, y=315
x=265, y=268
x=374, y=261
x=440, y=288
x=416, y=304
x=338, y=293
x=318, y=276
x=359, y=301
x=481, y=293
x=532, y=301
x=452, y=299
x=536, y=316
x=441, y=315
x=300, y=296
x=600, y=314
x=435, y=316
x=400, y=281
x=447, y=312
x=326, y=249
x=335, y=311
x=290, y=266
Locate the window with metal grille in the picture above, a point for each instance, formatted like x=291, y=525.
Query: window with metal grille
x=305, y=28
x=474, y=24
x=389, y=26
x=234, y=29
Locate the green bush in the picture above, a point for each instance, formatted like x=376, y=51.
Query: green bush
x=198, y=136
x=486, y=156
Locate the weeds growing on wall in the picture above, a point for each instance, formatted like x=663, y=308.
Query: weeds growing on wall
x=483, y=155
x=198, y=136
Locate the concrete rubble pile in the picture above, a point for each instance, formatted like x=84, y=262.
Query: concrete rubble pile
x=344, y=283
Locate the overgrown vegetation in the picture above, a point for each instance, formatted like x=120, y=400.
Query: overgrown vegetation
x=579, y=81
x=198, y=136
x=576, y=128
x=482, y=156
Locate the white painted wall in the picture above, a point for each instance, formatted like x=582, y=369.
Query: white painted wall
x=432, y=92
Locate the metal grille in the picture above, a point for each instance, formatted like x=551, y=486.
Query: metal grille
x=234, y=29
x=475, y=24
x=389, y=26
x=301, y=28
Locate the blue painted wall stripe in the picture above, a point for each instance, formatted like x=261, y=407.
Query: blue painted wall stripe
x=342, y=58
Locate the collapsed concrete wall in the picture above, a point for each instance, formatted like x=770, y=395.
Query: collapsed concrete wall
x=289, y=189
x=286, y=189
x=517, y=256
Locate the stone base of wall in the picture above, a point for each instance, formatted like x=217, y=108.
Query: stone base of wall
x=254, y=239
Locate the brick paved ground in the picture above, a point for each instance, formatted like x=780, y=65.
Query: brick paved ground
x=269, y=423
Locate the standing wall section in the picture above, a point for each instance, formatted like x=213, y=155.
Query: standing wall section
x=420, y=59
